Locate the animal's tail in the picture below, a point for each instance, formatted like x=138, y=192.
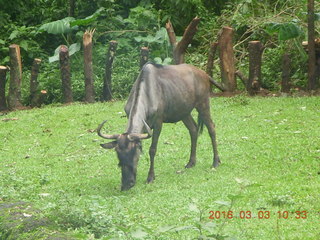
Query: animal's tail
x=200, y=124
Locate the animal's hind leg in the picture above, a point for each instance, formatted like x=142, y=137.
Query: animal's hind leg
x=193, y=130
x=204, y=111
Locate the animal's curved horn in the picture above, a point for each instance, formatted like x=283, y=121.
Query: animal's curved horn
x=106, y=136
x=141, y=136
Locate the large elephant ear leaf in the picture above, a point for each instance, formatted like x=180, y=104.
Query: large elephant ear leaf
x=86, y=21
x=59, y=27
x=73, y=48
x=285, y=31
x=288, y=31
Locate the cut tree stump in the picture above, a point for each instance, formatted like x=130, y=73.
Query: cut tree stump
x=285, y=83
x=65, y=74
x=227, y=64
x=144, y=56
x=107, y=84
x=255, y=58
x=34, y=84
x=312, y=81
x=88, y=72
x=14, y=96
x=180, y=47
x=3, y=77
x=212, y=53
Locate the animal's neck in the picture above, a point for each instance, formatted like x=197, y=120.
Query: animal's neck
x=135, y=123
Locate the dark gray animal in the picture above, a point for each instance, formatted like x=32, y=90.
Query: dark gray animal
x=162, y=94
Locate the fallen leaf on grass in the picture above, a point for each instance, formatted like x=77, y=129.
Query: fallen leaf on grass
x=9, y=119
x=27, y=215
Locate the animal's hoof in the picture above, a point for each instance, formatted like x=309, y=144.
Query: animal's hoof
x=216, y=163
x=150, y=179
x=190, y=165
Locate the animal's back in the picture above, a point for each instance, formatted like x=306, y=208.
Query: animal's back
x=173, y=90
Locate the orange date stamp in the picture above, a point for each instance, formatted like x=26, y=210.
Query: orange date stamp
x=213, y=215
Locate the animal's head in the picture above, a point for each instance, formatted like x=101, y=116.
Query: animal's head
x=128, y=148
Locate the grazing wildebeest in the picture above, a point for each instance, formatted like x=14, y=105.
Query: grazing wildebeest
x=162, y=94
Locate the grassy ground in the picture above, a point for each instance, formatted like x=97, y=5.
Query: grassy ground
x=269, y=176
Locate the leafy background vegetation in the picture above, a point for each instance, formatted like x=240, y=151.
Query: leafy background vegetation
x=39, y=27
x=269, y=148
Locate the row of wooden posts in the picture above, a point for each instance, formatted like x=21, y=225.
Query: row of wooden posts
x=13, y=99
x=224, y=45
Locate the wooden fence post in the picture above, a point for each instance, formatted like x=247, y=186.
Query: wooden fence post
x=227, y=64
x=311, y=47
x=255, y=59
x=180, y=47
x=34, y=91
x=88, y=72
x=285, y=83
x=144, y=56
x=107, y=84
x=212, y=53
x=3, y=75
x=65, y=74
x=14, y=97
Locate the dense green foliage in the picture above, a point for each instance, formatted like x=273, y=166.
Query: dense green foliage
x=39, y=27
x=269, y=149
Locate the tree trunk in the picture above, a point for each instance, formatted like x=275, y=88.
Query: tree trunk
x=180, y=47
x=65, y=74
x=144, y=56
x=255, y=56
x=72, y=6
x=285, y=83
x=212, y=53
x=88, y=72
x=3, y=77
x=311, y=47
x=107, y=84
x=14, y=97
x=34, y=91
x=227, y=64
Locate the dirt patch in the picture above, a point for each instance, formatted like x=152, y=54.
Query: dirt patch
x=19, y=221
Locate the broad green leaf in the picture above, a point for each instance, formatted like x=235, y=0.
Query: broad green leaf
x=317, y=16
x=193, y=208
x=285, y=31
x=288, y=31
x=139, y=233
x=138, y=39
x=233, y=197
x=87, y=20
x=24, y=45
x=58, y=27
x=178, y=229
x=272, y=28
x=164, y=229
x=167, y=61
x=157, y=60
x=14, y=34
x=54, y=58
x=209, y=226
x=72, y=50
x=222, y=203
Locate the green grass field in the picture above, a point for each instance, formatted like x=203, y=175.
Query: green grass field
x=267, y=187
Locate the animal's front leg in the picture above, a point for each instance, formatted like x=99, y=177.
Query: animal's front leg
x=153, y=150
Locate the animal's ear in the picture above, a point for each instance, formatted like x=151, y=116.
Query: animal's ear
x=109, y=145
